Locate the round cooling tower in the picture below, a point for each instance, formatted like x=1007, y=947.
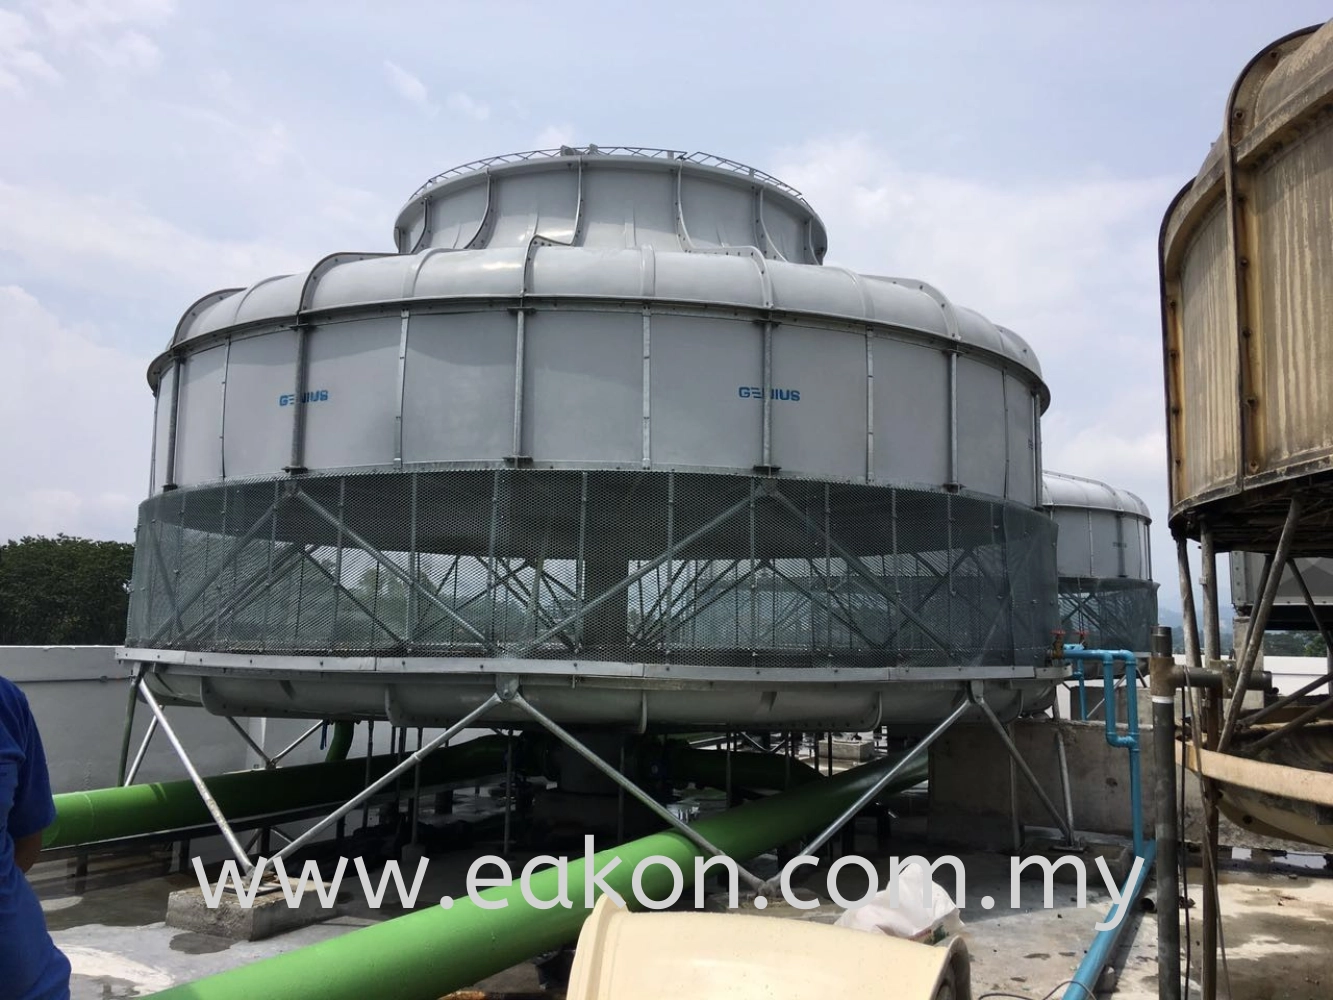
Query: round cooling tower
x=605, y=425
x=1104, y=562
x=1246, y=258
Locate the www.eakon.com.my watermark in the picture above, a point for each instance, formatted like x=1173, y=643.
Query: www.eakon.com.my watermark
x=555, y=875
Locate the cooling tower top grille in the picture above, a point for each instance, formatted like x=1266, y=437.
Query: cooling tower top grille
x=613, y=197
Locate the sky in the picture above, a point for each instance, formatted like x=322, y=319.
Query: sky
x=1019, y=156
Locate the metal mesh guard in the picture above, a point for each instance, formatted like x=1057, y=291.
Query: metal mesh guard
x=620, y=566
x=1109, y=614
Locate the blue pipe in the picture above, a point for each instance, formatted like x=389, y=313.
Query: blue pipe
x=1079, y=676
x=1130, y=740
x=1102, y=950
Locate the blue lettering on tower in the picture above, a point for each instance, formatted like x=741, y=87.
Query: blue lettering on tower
x=313, y=396
x=757, y=392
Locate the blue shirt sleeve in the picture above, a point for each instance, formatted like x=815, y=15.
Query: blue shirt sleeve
x=34, y=809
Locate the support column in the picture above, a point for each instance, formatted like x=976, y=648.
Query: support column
x=1168, y=827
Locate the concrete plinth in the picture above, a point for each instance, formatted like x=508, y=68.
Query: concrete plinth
x=845, y=751
x=970, y=782
x=269, y=915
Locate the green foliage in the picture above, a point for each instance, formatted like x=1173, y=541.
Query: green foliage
x=1293, y=644
x=64, y=591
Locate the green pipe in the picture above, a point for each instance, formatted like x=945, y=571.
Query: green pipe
x=340, y=743
x=137, y=810
x=750, y=770
x=433, y=951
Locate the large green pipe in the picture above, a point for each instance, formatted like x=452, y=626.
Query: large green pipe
x=340, y=742
x=138, y=810
x=431, y=952
x=752, y=770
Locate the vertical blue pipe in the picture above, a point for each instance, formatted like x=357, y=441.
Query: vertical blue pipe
x=1102, y=949
x=1130, y=740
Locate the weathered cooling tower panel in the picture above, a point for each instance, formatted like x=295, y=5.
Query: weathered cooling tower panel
x=1247, y=280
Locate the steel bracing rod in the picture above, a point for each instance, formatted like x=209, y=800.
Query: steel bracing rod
x=202, y=588
x=337, y=586
x=268, y=761
x=277, y=757
x=515, y=588
x=388, y=777
x=532, y=598
x=393, y=568
x=258, y=583
x=698, y=608
x=127, y=732
x=1189, y=618
x=830, y=604
x=793, y=607
x=941, y=578
x=1254, y=635
x=167, y=585
x=1309, y=715
x=633, y=578
x=1020, y=763
x=649, y=616
x=133, y=771
x=551, y=726
x=1314, y=612
x=228, y=834
x=873, y=792
x=483, y=594
x=1283, y=702
x=667, y=593
x=946, y=575
x=855, y=565
x=1006, y=608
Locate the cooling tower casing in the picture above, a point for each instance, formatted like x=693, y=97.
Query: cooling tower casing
x=1246, y=255
x=1108, y=599
x=604, y=423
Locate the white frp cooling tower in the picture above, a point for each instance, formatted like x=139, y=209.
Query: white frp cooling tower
x=1108, y=599
x=605, y=423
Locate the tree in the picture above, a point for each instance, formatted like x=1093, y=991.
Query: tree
x=64, y=591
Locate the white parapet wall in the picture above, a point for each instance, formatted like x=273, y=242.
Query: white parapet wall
x=79, y=694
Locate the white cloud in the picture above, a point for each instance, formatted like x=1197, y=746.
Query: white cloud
x=554, y=136
x=465, y=104
x=87, y=17
x=407, y=86
x=79, y=416
x=19, y=61
x=129, y=50
x=111, y=244
x=111, y=31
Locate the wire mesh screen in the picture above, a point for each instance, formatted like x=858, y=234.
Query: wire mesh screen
x=1109, y=614
x=621, y=566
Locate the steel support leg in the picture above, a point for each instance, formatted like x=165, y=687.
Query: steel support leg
x=975, y=698
x=277, y=757
x=872, y=793
x=249, y=741
x=1168, y=832
x=128, y=731
x=513, y=696
x=1066, y=791
x=389, y=776
x=228, y=834
x=138, y=757
x=1254, y=635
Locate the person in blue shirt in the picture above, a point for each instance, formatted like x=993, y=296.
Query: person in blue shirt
x=31, y=967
